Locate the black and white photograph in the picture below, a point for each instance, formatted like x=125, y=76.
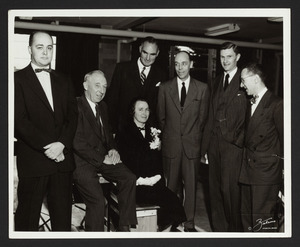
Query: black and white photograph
x=149, y=123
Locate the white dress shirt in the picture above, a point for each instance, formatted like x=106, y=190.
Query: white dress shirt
x=45, y=81
x=231, y=75
x=141, y=66
x=186, y=83
x=260, y=95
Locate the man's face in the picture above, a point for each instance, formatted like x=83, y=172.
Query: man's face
x=149, y=52
x=248, y=81
x=183, y=64
x=141, y=112
x=229, y=59
x=41, y=49
x=95, y=87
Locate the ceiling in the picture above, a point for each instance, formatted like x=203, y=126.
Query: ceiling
x=252, y=29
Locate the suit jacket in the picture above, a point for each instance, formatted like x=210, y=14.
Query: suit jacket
x=90, y=147
x=233, y=119
x=182, y=127
x=126, y=85
x=262, y=163
x=37, y=125
x=135, y=151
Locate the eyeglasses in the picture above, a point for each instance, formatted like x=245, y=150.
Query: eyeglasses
x=243, y=79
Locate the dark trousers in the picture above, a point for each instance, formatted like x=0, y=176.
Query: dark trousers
x=258, y=208
x=31, y=192
x=180, y=175
x=87, y=182
x=171, y=211
x=224, y=168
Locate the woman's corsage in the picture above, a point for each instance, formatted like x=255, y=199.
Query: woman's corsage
x=155, y=143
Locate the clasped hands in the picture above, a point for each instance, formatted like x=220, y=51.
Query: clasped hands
x=148, y=181
x=112, y=158
x=54, y=151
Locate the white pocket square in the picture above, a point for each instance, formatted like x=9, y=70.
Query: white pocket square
x=239, y=94
x=157, y=85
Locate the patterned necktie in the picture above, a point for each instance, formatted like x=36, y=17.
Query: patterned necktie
x=253, y=99
x=226, y=81
x=183, y=94
x=143, y=76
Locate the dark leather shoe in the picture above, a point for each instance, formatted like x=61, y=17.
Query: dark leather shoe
x=123, y=229
x=174, y=229
x=190, y=229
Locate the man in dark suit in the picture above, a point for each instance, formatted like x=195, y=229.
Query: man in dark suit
x=45, y=124
x=182, y=110
x=95, y=152
x=139, y=78
x=223, y=142
x=261, y=173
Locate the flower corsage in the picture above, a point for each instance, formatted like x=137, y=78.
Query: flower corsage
x=155, y=143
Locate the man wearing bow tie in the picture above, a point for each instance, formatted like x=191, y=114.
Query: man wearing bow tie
x=261, y=173
x=223, y=142
x=45, y=124
x=132, y=79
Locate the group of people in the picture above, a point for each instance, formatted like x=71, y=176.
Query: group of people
x=147, y=135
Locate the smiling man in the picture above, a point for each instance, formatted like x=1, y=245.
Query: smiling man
x=223, y=142
x=137, y=78
x=95, y=152
x=261, y=173
x=182, y=110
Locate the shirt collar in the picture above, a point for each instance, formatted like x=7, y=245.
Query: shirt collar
x=231, y=73
x=141, y=66
x=38, y=67
x=92, y=105
x=261, y=94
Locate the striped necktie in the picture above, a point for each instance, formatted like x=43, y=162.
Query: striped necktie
x=143, y=76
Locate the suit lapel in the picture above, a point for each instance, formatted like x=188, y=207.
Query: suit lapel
x=233, y=87
x=36, y=86
x=191, y=94
x=175, y=94
x=87, y=111
x=259, y=113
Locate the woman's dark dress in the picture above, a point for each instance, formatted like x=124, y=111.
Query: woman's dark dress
x=136, y=154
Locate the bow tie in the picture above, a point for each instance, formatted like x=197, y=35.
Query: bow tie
x=253, y=100
x=141, y=128
x=42, y=69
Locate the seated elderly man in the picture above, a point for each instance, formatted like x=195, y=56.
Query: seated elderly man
x=95, y=153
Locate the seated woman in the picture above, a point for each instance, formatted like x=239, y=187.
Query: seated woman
x=139, y=148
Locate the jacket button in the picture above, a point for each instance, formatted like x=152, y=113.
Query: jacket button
x=249, y=160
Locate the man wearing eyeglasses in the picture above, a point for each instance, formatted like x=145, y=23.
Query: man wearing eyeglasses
x=223, y=142
x=261, y=173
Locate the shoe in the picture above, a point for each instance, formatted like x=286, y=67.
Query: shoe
x=123, y=229
x=174, y=229
x=190, y=229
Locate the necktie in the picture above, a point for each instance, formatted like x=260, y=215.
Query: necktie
x=253, y=99
x=183, y=94
x=143, y=76
x=226, y=81
x=98, y=120
x=42, y=69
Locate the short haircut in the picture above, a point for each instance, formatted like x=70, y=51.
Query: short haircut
x=31, y=37
x=256, y=69
x=150, y=40
x=86, y=77
x=229, y=45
